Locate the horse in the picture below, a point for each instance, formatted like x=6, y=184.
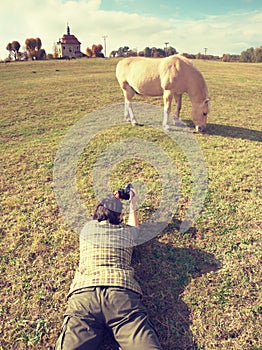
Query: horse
x=169, y=77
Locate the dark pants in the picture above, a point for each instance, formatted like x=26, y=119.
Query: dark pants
x=120, y=311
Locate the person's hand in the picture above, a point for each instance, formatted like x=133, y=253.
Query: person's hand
x=133, y=214
x=133, y=199
x=116, y=194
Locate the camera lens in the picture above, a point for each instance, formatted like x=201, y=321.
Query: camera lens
x=124, y=193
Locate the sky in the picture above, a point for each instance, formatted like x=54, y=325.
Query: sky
x=220, y=26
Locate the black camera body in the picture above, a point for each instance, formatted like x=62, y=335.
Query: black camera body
x=124, y=193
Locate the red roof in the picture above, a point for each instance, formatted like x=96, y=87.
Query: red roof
x=70, y=39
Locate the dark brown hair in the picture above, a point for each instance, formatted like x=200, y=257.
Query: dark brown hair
x=102, y=213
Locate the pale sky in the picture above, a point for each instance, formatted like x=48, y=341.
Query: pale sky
x=221, y=26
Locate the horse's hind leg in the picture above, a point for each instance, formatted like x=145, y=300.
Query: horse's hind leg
x=128, y=94
x=129, y=114
x=178, y=99
x=167, y=97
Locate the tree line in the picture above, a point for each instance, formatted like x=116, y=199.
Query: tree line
x=147, y=52
x=252, y=54
x=95, y=51
x=33, y=50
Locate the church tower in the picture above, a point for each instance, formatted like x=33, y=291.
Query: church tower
x=69, y=46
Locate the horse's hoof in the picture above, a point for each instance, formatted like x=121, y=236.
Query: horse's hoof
x=137, y=124
x=166, y=127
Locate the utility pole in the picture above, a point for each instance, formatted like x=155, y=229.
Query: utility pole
x=166, y=43
x=105, y=37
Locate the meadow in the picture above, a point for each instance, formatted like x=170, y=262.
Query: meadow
x=202, y=288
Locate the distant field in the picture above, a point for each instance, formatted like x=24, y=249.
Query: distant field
x=202, y=288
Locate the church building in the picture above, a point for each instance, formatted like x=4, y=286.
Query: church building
x=69, y=46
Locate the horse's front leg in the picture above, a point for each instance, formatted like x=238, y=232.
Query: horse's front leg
x=167, y=97
x=178, y=99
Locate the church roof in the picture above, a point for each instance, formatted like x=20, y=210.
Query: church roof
x=70, y=39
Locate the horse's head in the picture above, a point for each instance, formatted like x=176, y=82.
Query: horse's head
x=199, y=115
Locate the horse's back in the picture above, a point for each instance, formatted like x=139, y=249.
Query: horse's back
x=140, y=65
x=141, y=74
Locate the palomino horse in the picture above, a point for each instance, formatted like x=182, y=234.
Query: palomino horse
x=168, y=77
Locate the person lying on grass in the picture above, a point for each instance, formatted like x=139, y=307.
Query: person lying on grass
x=104, y=295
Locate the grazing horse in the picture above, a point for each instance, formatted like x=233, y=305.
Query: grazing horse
x=168, y=77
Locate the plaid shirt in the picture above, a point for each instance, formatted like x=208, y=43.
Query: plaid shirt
x=105, y=257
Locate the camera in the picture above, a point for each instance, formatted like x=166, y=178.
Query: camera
x=124, y=193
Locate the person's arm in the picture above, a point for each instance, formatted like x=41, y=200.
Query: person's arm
x=133, y=213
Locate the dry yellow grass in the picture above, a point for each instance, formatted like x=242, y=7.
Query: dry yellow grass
x=203, y=288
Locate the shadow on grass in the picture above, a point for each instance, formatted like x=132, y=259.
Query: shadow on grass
x=230, y=131
x=164, y=271
x=234, y=132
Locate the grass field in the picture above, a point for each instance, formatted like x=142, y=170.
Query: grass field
x=202, y=288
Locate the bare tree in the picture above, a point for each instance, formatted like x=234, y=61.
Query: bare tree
x=33, y=46
x=13, y=49
x=89, y=52
x=16, y=46
x=38, y=44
